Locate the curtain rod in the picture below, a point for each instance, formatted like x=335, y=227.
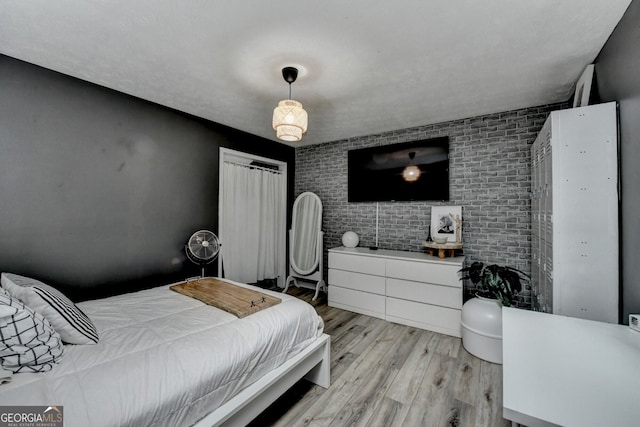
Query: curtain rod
x=245, y=165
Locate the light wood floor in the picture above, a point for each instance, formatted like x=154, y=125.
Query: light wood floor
x=385, y=374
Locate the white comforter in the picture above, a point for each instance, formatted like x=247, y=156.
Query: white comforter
x=164, y=359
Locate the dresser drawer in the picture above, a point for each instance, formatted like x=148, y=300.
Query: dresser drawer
x=436, y=273
x=434, y=318
x=445, y=296
x=356, y=263
x=357, y=281
x=357, y=301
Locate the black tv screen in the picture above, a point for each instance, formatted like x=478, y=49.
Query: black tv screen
x=400, y=172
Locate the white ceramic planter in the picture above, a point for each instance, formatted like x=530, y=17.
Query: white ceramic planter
x=482, y=328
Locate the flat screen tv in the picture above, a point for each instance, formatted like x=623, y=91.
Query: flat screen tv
x=400, y=172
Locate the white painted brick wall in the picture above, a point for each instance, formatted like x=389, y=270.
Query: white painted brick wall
x=489, y=174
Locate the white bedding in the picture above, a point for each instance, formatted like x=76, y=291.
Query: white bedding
x=164, y=359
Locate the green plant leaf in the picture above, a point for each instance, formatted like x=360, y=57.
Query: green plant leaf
x=501, y=282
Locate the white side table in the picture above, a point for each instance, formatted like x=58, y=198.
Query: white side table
x=566, y=371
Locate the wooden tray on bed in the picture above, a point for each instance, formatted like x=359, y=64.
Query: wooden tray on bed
x=233, y=299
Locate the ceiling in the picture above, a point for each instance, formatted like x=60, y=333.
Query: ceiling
x=365, y=66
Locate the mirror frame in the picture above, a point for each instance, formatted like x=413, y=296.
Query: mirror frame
x=292, y=261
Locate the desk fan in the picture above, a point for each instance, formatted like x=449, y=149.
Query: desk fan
x=202, y=248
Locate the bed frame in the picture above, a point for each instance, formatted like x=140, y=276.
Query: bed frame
x=313, y=363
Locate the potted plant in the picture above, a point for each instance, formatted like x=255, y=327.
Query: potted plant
x=495, y=281
x=481, y=318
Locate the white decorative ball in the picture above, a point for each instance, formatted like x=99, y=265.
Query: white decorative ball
x=350, y=239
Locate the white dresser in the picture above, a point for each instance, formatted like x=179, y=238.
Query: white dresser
x=410, y=288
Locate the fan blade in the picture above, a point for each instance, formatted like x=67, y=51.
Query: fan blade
x=200, y=251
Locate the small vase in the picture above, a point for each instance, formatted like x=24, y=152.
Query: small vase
x=481, y=324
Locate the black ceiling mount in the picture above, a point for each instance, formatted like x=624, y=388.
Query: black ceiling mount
x=290, y=74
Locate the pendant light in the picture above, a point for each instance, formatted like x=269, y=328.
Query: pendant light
x=411, y=173
x=289, y=118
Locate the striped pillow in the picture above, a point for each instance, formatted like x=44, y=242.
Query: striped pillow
x=28, y=342
x=67, y=319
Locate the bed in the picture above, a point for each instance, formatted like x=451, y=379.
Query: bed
x=165, y=359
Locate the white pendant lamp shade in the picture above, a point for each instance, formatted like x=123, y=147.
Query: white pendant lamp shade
x=289, y=120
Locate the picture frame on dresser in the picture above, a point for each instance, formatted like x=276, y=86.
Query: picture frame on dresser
x=446, y=221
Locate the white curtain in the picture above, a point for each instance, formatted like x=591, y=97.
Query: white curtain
x=251, y=230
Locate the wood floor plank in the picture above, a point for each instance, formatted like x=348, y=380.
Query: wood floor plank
x=340, y=365
x=449, y=346
x=372, y=329
x=385, y=374
x=406, y=383
x=489, y=404
x=387, y=414
x=349, y=346
x=343, y=338
x=466, y=382
x=325, y=409
x=336, y=320
x=360, y=409
x=397, y=356
x=458, y=413
x=430, y=403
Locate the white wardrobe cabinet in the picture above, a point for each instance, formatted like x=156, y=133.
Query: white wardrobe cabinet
x=574, y=218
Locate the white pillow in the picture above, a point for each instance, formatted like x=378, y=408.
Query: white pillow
x=28, y=342
x=67, y=319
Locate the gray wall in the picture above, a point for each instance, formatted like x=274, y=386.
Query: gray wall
x=618, y=79
x=490, y=177
x=99, y=190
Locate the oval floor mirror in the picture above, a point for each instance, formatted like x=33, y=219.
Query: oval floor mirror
x=306, y=243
